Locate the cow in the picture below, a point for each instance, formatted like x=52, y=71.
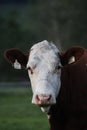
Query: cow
x=58, y=80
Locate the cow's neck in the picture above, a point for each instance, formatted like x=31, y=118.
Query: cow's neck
x=57, y=117
x=53, y=117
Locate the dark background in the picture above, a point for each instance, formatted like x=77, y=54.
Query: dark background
x=25, y=22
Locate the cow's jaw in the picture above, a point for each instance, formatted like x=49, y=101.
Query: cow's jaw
x=45, y=77
x=45, y=109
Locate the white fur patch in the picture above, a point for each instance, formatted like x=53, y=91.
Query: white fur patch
x=48, y=116
x=45, y=109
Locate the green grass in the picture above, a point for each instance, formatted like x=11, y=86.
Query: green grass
x=17, y=112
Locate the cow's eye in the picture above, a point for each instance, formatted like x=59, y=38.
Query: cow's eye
x=57, y=68
x=30, y=70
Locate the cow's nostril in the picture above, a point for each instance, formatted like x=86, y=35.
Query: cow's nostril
x=43, y=98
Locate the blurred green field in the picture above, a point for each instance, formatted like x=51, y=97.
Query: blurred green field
x=17, y=112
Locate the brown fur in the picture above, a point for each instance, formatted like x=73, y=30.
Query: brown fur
x=70, y=111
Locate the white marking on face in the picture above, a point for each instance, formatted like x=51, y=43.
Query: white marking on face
x=45, y=77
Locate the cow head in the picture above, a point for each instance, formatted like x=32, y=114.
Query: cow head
x=44, y=72
x=44, y=68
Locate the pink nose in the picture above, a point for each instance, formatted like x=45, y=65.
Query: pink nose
x=43, y=99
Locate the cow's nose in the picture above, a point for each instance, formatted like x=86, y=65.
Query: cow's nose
x=43, y=99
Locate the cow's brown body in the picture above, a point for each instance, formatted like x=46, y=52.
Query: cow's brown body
x=70, y=111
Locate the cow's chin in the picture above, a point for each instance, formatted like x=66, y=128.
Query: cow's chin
x=45, y=109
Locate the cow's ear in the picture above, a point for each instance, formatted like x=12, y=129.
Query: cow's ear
x=16, y=58
x=72, y=55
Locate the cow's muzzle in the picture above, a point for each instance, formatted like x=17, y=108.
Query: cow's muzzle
x=43, y=100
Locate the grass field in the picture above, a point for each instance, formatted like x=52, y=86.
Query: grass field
x=17, y=112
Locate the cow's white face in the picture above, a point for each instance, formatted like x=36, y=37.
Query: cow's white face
x=43, y=68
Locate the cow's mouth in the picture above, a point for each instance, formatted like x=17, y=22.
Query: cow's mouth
x=45, y=109
x=44, y=105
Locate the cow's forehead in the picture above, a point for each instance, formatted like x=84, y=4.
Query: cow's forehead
x=44, y=51
x=44, y=45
